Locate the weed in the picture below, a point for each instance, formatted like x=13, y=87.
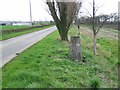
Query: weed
x=95, y=83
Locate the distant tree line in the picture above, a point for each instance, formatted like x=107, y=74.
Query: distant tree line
x=100, y=19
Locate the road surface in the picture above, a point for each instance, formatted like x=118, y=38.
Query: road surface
x=9, y=48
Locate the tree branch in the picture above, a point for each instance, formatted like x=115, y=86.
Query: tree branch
x=88, y=12
x=104, y=22
x=53, y=10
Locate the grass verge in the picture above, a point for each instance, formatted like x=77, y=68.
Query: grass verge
x=47, y=65
x=7, y=27
x=14, y=34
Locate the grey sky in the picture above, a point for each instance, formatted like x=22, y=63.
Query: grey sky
x=105, y=6
x=18, y=10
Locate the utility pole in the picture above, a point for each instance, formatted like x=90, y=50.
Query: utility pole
x=30, y=12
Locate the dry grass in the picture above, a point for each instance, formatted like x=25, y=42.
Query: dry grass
x=102, y=33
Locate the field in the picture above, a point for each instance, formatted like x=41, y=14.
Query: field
x=47, y=64
x=18, y=30
x=10, y=27
x=111, y=27
x=13, y=27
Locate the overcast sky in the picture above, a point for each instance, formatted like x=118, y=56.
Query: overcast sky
x=18, y=10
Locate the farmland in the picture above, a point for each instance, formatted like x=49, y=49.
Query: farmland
x=47, y=64
x=9, y=27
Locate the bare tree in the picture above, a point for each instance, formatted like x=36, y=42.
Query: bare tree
x=95, y=19
x=63, y=14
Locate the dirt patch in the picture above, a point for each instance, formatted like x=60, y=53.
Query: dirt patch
x=102, y=33
x=87, y=32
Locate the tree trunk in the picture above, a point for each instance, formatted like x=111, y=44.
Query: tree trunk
x=63, y=35
x=63, y=14
x=94, y=44
x=63, y=31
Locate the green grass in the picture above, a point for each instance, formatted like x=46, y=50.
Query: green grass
x=0, y=78
x=14, y=34
x=47, y=65
x=13, y=27
x=0, y=33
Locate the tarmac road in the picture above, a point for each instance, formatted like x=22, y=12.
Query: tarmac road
x=9, y=48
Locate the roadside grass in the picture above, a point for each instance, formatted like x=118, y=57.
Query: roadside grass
x=9, y=27
x=47, y=65
x=14, y=34
x=0, y=78
x=0, y=33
